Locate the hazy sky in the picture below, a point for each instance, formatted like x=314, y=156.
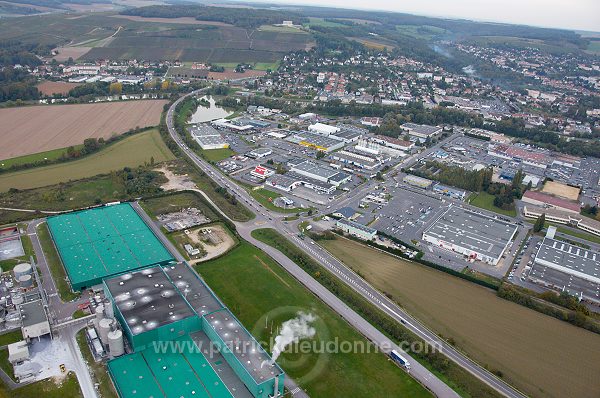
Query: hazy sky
x=572, y=14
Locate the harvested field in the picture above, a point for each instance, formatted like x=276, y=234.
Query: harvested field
x=231, y=74
x=181, y=20
x=34, y=129
x=130, y=152
x=562, y=190
x=64, y=53
x=540, y=355
x=50, y=88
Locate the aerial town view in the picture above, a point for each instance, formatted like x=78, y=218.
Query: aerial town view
x=299, y=199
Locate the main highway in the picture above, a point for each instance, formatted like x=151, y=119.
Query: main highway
x=267, y=219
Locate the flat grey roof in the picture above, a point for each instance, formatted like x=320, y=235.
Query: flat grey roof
x=32, y=313
x=570, y=259
x=358, y=226
x=247, y=350
x=220, y=365
x=147, y=299
x=422, y=128
x=197, y=294
x=320, y=140
x=204, y=140
x=473, y=231
x=316, y=169
x=203, y=129
x=560, y=280
x=339, y=177
x=309, y=180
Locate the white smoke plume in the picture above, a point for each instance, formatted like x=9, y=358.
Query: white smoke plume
x=292, y=331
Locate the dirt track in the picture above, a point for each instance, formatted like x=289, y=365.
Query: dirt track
x=34, y=129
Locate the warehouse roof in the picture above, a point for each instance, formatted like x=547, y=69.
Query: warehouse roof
x=315, y=169
x=185, y=372
x=422, y=128
x=32, y=313
x=473, y=231
x=570, y=259
x=552, y=200
x=244, y=347
x=356, y=225
x=196, y=293
x=104, y=241
x=147, y=299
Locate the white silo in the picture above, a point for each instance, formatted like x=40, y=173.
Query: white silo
x=115, y=343
x=103, y=329
x=16, y=297
x=109, y=310
x=22, y=269
x=25, y=281
x=99, y=311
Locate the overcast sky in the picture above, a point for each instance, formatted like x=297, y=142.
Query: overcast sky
x=572, y=14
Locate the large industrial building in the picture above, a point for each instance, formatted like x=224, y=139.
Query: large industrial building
x=185, y=342
x=551, y=201
x=475, y=235
x=355, y=229
x=421, y=131
x=104, y=241
x=316, y=141
x=563, y=217
x=208, y=137
x=562, y=266
x=320, y=173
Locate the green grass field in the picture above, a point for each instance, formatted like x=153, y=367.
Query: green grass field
x=56, y=268
x=11, y=337
x=177, y=202
x=526, y=346
x=5, y=364
x=322, y=22
x=129, y=152
x=485, y=201
x=98, y=370
x=216, y=155
x=424, y=32
x=266, y=197
x=36, y=157
x=263, y=306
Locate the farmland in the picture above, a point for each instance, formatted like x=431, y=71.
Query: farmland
x=526, y=346
x=49, y=88
x=28, y=130
x=88, y=37
x=279, y=297
x=131, y=151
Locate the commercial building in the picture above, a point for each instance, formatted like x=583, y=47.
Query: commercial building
x=104, y=241
x=527, y=155
x=259, y=153
x=232, y=125
x=394, y=143
x=421, y=131
x=18, y=352
x=323, y=129
x=371, y=146
x=208, y=138
x=449, y=191
x=321, y=173
x=550, y=201
x=355, y=229
x=417, y=181
x=563, y=266
x=34, y=320
x=356, y=160
x=206, y=351
x=262, y=172
x=475, y=235
x=316, y=141
x=283, y=182
x=563, y=217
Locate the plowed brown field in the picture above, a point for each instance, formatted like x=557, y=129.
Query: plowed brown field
x=34, y=129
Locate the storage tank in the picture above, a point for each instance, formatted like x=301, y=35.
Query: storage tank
x=103, y=329
x=99, y=312
x=17, y=298
x=25, y=281
x=115, y=343
x=108, y=307
x=22, y=269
